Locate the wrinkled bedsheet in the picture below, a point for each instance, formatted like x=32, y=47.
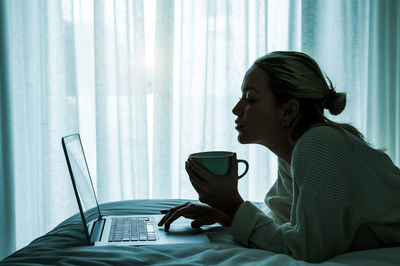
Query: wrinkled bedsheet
x=66, y=245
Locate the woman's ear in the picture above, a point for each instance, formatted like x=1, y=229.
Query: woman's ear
x=291, y=109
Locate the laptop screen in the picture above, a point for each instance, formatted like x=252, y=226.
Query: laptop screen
x=80, y=177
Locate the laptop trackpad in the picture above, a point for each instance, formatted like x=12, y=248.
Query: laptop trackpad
x=182, y=226
x=181, y=231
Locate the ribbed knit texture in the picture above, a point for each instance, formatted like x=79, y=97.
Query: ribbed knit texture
x=338, y=195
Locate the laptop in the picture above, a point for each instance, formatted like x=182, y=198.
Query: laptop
x=136, y=230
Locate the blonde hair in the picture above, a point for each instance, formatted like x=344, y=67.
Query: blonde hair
x=295, y=75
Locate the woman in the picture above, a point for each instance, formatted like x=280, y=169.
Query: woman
x=334, y=193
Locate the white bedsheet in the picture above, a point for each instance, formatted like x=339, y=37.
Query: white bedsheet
x=66, y=244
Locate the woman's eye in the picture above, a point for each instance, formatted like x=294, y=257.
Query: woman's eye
x=248, y=100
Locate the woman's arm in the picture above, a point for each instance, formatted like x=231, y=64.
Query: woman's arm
x=323, y=220
x=320, y=229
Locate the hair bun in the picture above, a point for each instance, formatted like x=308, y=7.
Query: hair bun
x=336, y=102
x=328, y=99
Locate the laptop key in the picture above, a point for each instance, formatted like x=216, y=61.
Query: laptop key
x=118, y=236
x=112, y=230
x=151, y=237
x=150, y=227
x=143, y=237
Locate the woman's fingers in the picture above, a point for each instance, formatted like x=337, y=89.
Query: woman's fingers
x=201, y=214
x=192, y=216
x=178, y=213
x=187, y=210
x=234, y=166
x=197, y=168
x=169, y=212
x=204, y=220
x=195, y=179
x=213, y=216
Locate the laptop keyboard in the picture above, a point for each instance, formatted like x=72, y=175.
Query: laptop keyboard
x=132, y=229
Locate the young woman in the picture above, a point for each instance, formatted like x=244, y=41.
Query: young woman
x=334, y=193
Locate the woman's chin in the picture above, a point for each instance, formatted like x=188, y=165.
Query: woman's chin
x=242, y=139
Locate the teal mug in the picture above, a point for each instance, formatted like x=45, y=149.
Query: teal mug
x=217, y=162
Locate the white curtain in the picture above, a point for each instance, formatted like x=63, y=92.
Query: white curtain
x=146, y=83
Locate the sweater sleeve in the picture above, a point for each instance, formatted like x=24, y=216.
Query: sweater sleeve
x=317, y=233
x=322, y=223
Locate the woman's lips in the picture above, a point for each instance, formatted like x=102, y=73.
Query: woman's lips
x=238, y=127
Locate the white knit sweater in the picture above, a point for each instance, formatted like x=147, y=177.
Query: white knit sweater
x=338, y=195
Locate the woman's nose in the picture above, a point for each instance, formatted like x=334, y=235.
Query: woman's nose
x=237, y=109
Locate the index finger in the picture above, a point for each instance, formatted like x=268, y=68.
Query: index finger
x=195, y=179
x=174, y=216
x=198, y=169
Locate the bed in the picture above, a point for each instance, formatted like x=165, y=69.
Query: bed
x=66, y=244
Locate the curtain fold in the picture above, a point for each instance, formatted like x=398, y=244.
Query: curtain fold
x=383, y=74
x=7, y=189
x=120, y=100
x=163, y=182
x=80, y=66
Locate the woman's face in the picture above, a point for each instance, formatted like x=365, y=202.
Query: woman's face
x=259, y=118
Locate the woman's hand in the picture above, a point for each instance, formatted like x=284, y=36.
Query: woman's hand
x=220, y=192
x=200, y=213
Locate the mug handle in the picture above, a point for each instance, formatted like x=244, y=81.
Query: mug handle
x=247, y=167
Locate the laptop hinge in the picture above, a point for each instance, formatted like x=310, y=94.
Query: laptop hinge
x=97, y=231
